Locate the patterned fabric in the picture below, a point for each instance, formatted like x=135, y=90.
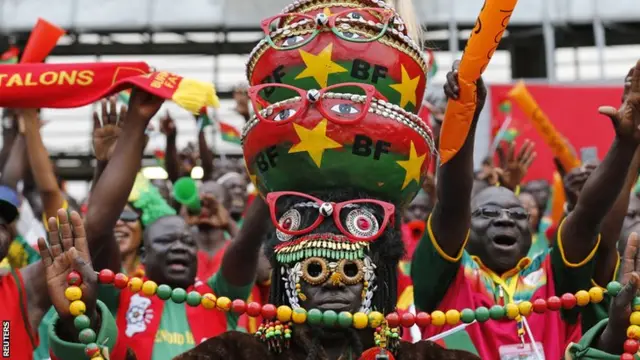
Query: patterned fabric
x=13, y=302
x=20, y=254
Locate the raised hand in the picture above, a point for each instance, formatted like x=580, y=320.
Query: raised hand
x=574, y=181
x=107, y=127
x=168, y=126
x=68, y=251
x=514, y=168
x=143, y=106
x=452, y=88
x=626, y=119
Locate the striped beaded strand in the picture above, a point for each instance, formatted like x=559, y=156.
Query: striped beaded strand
x=82, y=323
x=631, y=345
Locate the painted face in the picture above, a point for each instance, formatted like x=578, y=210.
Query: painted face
x=170, y=252
x=500, y=234
x=128, y=231
x=531, y=206
x=631, y=222
x=418, y=209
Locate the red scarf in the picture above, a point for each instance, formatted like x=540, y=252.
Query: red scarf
x=203, y=323
x=74, y=85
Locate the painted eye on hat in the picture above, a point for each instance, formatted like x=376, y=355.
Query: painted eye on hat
x=284, y=114
x=345, y=109
x=291, y=41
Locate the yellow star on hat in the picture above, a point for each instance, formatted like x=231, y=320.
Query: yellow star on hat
x=320, y=66
x=412, y=166
x=407, y=88
x=314, y=141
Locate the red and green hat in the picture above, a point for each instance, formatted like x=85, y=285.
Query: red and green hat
x=315, y=44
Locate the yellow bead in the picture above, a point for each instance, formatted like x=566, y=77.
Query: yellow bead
x=438, y=318
x=284, y=313
x=135, y=284
x=633, y=332
x=73, y=293
x=360, y=320
x=97, y=358
x=596, y=294
x=453, y=317
x=223, y=303
x=208, y=301
x=512, y=310
x=582, y=298
x=525, y=308
x=634, y=319
x=299, y=316
x=77, y=308
x=375, y=319
x=149, y=288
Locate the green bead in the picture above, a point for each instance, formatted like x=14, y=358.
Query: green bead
x=482, y=314
x=497, y=312
x=81, y=322
x=395, y=335
x=87, y=336
x=178, y=295
x=314, y=317
x=329, y=318
x=277, y=332
x=345, y=319
x=287, y=336
x=193, y=298
x=164, y=292
x=613, y=288
x=467, y=316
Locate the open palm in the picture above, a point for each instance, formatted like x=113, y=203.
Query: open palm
x=107, y=128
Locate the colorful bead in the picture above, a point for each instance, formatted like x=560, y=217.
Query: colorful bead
x=299, y=316
x=496, y=312
x=627, y=356
x=330, y=318
x=631, y=346
x=238, y=306
x=407, y=320
x=284, y=313
x=105, y=276
x=314, y=317
x=511, y=310
x=438, y=318
x=453, y=317
x=423, y=319
x=360, y=320
x=345, y=319
x=149, y=288
x=87, y=336
x=525, y=308
x=224, y=304
x=178, y=295
x=633, y=332
x=92, y=350
x=393, y=320
x=613, y=288
x=120, y=280
x=554, y=303
x=634, y=319
x=74, y=278
x=583, y=298
x=539, y=306
x=81, y=322
x=194, y=298
x=568, y=301
x=135, y=284
x=482, y=314
x=254, y=309
x=208, y=300
x=467, y=316
x=164, y=292
x=269, y=311
x=73, y=293
x=375, y=319
x=635, y=304
x=596, y=294
x=77, y=308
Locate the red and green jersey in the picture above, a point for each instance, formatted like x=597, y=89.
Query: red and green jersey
x=444, y=283
x=22, y=340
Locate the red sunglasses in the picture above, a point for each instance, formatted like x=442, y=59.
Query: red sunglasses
x=343, y=104
x=359, y=224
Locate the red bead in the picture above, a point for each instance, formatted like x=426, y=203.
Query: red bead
x=363, y=224
x=393, y=320
x=554, y=303
x=568, y=301
x=539, y=306
x=286, y=224
x=423, y=319
x=254, y=309
x=631, y=346
x=105, y=276
x=627, y=356
x=269, y=311
x=238, y=306
x=91, y=350
x=120, y=280
x=74, y=278
x=407, y=320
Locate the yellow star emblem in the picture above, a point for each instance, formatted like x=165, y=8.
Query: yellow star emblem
x=319, y=66
x=314, y=141
x=407, y=88
x=412, y=166
x=327, y=12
